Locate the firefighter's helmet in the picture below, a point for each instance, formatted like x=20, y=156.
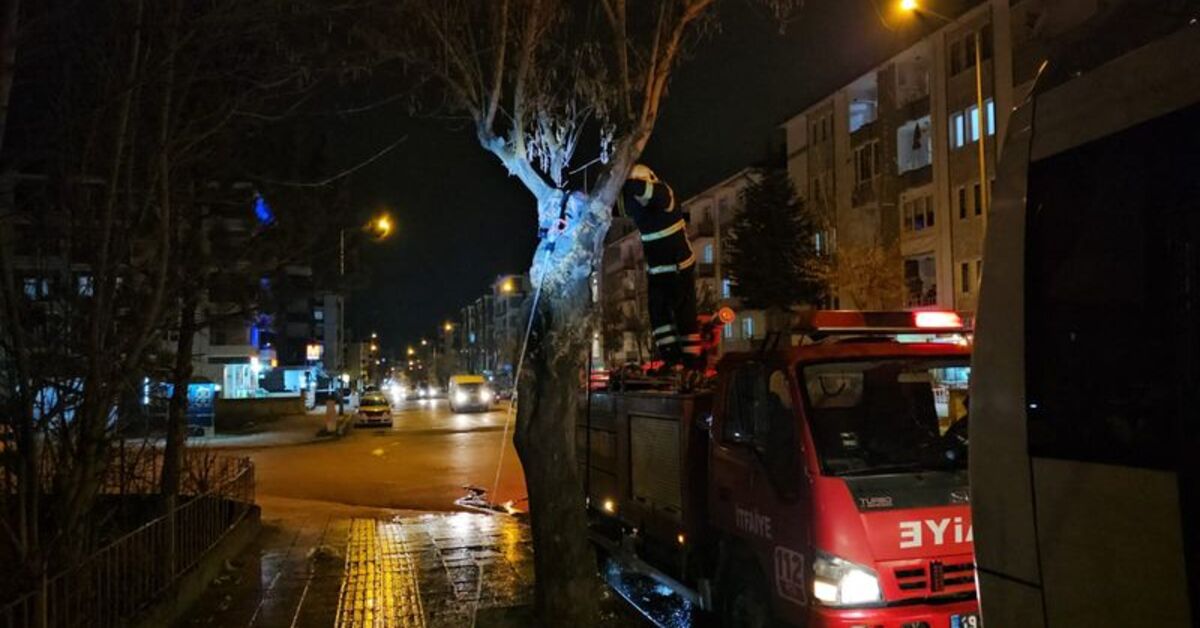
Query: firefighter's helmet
x=642, y=172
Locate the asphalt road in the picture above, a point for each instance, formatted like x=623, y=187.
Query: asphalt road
x=421, y=463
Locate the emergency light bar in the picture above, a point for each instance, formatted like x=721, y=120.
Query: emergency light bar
x=858, y=322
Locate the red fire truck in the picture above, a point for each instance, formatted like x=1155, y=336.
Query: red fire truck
x=820, y=482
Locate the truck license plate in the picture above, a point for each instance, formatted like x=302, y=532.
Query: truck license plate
x=968, y=620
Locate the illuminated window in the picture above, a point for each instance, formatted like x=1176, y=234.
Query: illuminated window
x=707, y=256
x=748, y=328
x=958, y=130
x=989, y=109
x=973, y=118
x=35, y=288
x=725, y=288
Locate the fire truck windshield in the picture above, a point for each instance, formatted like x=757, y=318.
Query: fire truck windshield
x=889, y=415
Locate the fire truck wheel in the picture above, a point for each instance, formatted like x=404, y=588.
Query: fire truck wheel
x=746, y=602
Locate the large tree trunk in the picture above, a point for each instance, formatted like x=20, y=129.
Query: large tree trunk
x=550, y=390
x=172, y=466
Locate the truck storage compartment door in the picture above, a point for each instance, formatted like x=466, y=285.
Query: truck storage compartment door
x=654, y=453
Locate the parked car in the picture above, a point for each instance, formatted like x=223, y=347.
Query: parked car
x=373, y=409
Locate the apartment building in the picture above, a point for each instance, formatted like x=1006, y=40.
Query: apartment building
x=490, y=330
x=508, y=323
x=621, y=293
x=891, y=161
x=712, y=212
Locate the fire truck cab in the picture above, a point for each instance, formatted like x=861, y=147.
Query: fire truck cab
x=818, y=484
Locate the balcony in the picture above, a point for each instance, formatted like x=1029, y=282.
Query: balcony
x=703, y=229
x=915, y=109
x=917, y=178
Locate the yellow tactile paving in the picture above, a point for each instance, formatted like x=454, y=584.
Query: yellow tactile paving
x=380, y=586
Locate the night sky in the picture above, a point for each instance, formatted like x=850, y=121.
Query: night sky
x=462, y=221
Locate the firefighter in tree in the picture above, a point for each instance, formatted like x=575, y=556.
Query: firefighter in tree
x=670, y=264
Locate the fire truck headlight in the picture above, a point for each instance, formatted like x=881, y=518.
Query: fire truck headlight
x=839, y=582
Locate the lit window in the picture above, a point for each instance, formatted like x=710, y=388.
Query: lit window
x=35, y=288
x=85, y=285
x=958, y=136
x=990, y=111
x=318, y=314
x=707, y=257
x=973, y=116
x=748, y=328
x=728, y=332
x=725, y=288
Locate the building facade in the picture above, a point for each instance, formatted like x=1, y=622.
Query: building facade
x=891, y=161
x=490, y=330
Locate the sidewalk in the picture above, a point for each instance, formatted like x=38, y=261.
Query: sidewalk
x=319, y=564
x=295, y=429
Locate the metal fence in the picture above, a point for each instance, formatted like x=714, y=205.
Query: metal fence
x=127, y=575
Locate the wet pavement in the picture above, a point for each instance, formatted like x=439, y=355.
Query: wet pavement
x=363, y=531
x=434, y=570
x=326, y=565
x=421, y=463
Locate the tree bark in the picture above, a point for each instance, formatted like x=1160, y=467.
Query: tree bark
x=172, y=469
x=9, y=16
x=567, y=586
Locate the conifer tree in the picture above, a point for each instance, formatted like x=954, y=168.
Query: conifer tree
x=772, y=249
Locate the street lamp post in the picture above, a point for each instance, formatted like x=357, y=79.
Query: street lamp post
x=380, y=227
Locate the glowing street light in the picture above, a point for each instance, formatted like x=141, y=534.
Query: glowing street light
x=411, y=351
x=448, y=326
x=381, y=226
x=909, y=5
x=507, y=287
x=374, y=347
x=424, y=342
